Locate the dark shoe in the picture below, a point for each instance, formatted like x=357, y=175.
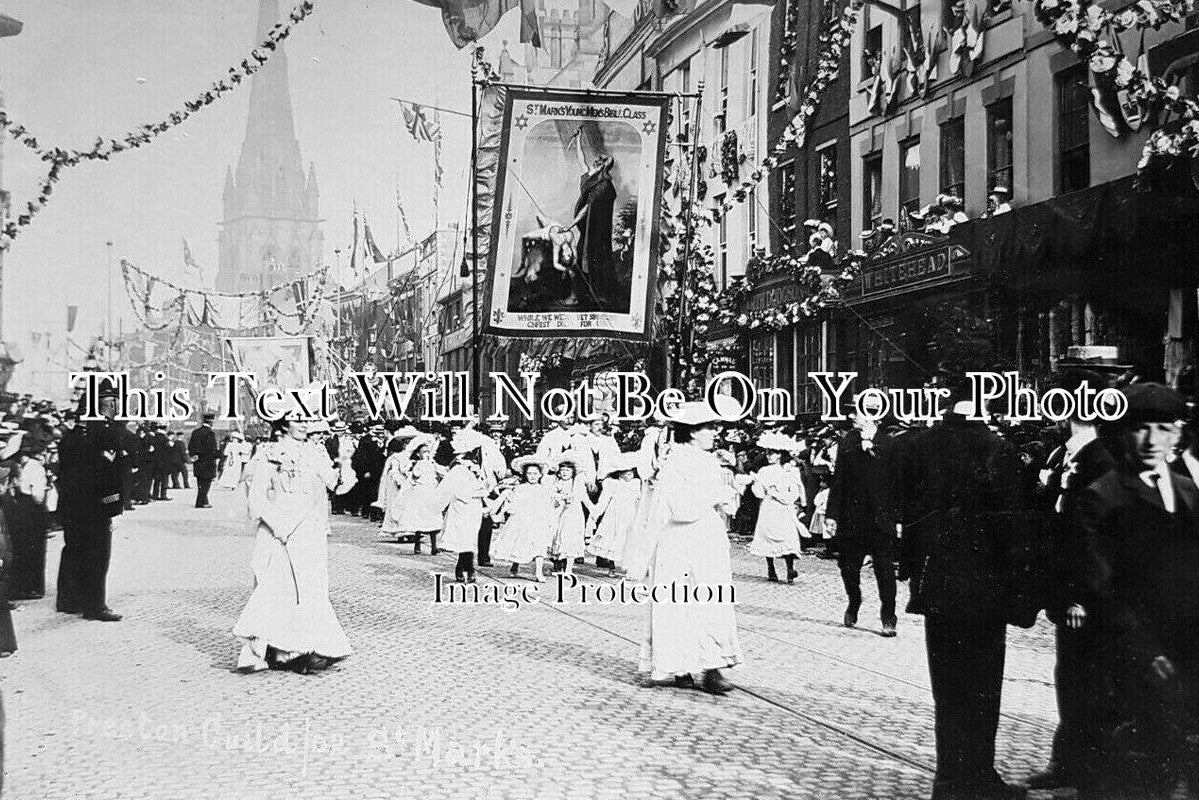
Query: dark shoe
x=514, y=570
x=486, y=563
x=471, y=578
x=103, y=615
x=792, y=574
x=1052, y=778
x=850, y=619
x=714, y=682
x=772, y=578
x=684, y=682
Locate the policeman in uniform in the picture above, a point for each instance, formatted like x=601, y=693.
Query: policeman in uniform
x=90, y=482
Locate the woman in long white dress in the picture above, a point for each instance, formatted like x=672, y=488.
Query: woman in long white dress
x=289, y=622
x=237, y=455
x=690, y=550
x=462, y=492
x=527, y=532
x=418, y=510
x=615, y=511
x=778, y=529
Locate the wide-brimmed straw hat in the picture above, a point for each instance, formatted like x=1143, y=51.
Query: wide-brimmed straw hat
x=532, y=460
x=773, y=440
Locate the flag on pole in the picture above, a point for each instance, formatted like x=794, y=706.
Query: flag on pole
x=189, y=263
x=372, y=249
x=467, y=21
x=354, y=249
x=416, y=122
x=72, y=311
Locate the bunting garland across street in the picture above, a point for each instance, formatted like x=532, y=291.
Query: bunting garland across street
x=104, y=148
x=294, y=307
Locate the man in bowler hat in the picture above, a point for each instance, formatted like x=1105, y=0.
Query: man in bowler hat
x=204, y=452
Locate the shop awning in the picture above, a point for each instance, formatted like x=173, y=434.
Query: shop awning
x=1111, y=232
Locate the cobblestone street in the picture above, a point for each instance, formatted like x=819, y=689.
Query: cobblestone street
x=466, y=701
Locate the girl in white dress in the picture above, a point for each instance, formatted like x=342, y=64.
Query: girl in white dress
x=462, y=492
x=529, y=529
x=690, y=549
x=778, y=529
x=570, y=494
x=615, y=510
x=288, y=622
x=419, y=511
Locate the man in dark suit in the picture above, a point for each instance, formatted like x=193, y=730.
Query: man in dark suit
x=963, y=510
x=367, y=461
x=862, y=515
x=90, y=479
x=1070, y=469
x=129, y=445
x=160, y=462
x=178, y=461
x=201, y=446
x=1141, y=527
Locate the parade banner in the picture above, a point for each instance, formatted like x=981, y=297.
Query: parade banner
x=277, y=362
x=575, y=228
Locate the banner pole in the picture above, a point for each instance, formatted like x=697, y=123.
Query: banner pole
x=474, y=232
x=689, y=230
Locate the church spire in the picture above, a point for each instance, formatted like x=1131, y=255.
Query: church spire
x=271, y=215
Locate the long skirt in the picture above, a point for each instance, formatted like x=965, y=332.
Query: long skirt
x=289, y=608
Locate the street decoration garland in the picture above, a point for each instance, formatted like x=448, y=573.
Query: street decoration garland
x=831, y=44
x=819, y=289
x=1093, y=34
x=159, y=304
x=104, y=148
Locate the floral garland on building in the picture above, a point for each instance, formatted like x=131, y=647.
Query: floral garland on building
x=818, y=290
x=105, y=148
x=832, y=44
x=1089, y=30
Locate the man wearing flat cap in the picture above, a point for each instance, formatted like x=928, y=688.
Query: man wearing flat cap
x=1141, y=526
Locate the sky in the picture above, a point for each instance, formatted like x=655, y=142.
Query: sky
x=84, y=68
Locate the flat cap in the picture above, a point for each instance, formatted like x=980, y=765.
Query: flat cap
x=1153, y=402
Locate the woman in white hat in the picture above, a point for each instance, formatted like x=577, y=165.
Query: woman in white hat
x=416, y=511
x=690, y=550
x=532, y=518
x=570, y=495
x=461, y=494
x=778, y=528
x=288, y=622
x=392, y=481
x=615, y=510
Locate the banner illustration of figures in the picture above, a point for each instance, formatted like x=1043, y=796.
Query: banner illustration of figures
x=278, y=362
x=575, y=230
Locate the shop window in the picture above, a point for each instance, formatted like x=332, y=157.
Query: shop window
x=999, y=145
x=761, y=361
x=807, y=396
x=872, y=191
x=1073, y=130
x=953, y=157
x=909, y=178
x=827, y=184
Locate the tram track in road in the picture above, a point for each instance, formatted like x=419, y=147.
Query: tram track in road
x=790, y=709
x=741, y=626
